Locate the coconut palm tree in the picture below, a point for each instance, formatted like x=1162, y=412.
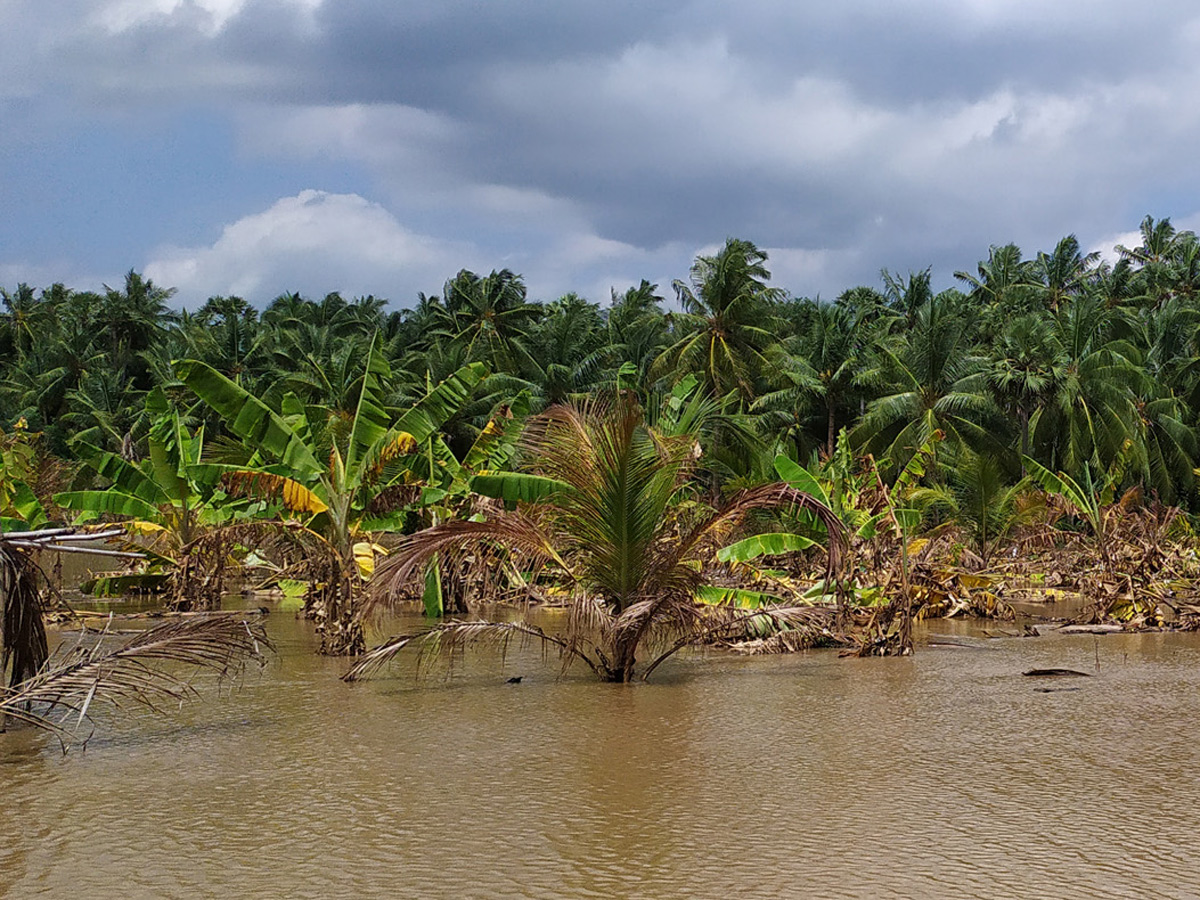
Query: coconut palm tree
x=491, y=318
x=818, y=368
x=931, y=381
x=724, y=329
x=1090, y=407
x=1065, y=273
x=637, y=330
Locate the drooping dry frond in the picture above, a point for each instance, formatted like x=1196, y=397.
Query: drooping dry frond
x=516, y=531
x=451, y=636
x=138, y=671
x=22, y=634
x=392, y=498
x=772, y=629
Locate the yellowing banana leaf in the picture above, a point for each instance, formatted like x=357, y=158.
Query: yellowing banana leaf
x=393, y=444
x=364, y=555
x=295, y=496
x=141, y=526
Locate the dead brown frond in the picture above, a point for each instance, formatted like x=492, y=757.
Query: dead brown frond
x=449, y=637
x=754, y=630
x=23, y=649
x=392, y=498
x=515, y=530
x=137, y=672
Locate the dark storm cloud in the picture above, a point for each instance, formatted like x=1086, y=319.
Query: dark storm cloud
x=852, y=136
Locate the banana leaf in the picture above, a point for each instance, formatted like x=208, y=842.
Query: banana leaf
x=111, y=501
x=513, y=487
x=739, y=597
x=800, y=478
x=120, y=585
x=770, y=544
x=248, y=417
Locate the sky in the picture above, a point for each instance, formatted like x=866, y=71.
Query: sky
x=254, y=147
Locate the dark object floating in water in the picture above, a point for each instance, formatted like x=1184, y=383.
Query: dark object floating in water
x=1053, y=690
x=1050, y=673
x=516, y=679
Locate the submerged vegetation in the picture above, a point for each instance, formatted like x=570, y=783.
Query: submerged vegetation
x=738, y=466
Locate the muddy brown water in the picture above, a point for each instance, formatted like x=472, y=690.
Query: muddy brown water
x=944, y=775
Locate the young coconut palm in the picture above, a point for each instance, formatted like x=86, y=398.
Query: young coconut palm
x=599, y=512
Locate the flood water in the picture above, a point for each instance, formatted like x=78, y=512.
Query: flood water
x=944, y=775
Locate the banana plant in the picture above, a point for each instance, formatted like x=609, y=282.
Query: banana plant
x=339, y=480
x=1087, y=495
x=20, y=509
x=452, y=486
x=167, y=501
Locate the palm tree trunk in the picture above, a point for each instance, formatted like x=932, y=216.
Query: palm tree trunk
x=831, y=433
x=23, y=647
x=621, y=669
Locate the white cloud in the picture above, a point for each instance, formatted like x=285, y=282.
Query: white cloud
x=315, y=242
x=122, y=15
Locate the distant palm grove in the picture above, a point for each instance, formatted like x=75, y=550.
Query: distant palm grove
x=1060, y=357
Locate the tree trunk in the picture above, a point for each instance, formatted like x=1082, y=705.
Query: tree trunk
x=622, y=667
x=341, y=630
x=831, y=435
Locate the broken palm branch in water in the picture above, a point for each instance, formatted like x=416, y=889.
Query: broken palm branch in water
x=142, y=671
x=451, y=636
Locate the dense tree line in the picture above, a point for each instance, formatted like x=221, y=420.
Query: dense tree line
x=1084, y=366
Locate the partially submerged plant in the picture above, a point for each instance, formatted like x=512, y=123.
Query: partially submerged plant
x=597, y=513
x=329, y=481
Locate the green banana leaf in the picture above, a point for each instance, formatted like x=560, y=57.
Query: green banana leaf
x=711, y=595
x=111, y=501
x=249, y=418
x=770, y=544
x=120, y=585
x=371, y=417
x=800, y=478
x=513, y=487
x=432, y=597
x=429, y=413
x=124, y=475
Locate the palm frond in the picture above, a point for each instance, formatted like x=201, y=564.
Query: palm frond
x=451, y=636
x=137, y=672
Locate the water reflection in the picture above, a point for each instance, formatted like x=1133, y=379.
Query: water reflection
x=945, y=775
